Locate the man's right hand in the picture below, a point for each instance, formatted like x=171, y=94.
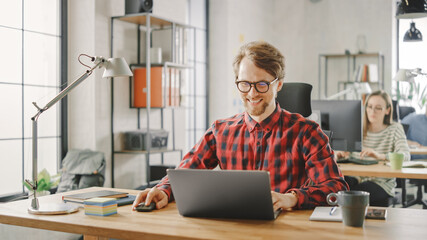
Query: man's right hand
x=341, y=154
x=149, y=195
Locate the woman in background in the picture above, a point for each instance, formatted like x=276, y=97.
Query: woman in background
x=380, y=136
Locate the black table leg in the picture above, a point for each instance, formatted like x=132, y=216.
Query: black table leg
x=403, y=183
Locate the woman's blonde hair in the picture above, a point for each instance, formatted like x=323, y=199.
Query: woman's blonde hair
x=387, y=117
x=264, y=56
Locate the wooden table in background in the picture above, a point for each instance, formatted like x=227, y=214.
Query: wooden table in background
x=168, y=224
x=418, y=151
x=381, y=170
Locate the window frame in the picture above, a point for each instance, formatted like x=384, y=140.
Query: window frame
x=62, y=134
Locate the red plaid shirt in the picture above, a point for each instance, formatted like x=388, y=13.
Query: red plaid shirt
x=293, y=149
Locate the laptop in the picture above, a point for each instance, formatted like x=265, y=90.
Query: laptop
x=238, y=194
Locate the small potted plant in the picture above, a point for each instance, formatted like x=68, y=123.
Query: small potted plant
x=412, y=93
x=46, y=182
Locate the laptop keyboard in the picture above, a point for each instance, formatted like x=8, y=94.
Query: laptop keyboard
x=354, y=158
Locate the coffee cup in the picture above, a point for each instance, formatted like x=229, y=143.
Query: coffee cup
x=396, y=160
x=353, y=204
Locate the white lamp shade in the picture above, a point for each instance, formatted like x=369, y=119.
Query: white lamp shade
x=404, y=75
x=363, y=88
x=116, y=67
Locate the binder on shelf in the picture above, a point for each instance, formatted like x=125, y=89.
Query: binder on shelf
x=373, y=72
x=362, y=74
x=139, y=91
x=173, y=87
x=359, y=74
x=365, y=74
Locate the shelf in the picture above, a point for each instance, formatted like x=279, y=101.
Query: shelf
x=181, y=44
x=351, y=55
x=352, y=62
x=166, y=107
x=141, y=19
x=165, y=64
x=351, y=82
x=145, y=152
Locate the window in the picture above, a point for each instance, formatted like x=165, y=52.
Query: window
x=30, y=70
x=410, y=57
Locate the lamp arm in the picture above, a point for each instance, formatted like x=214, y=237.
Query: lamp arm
x=62, y=94
x=66, y=90
x=339, y=94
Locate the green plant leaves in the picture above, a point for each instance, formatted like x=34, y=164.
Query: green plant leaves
x=45, y=181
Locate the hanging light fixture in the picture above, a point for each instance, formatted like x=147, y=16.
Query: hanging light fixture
x=413, y=34
x=410, y=9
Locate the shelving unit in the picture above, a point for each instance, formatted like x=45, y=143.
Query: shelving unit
x=148, y=22
x=352, y=60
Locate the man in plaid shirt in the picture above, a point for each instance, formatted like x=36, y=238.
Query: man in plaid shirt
x=265, y=137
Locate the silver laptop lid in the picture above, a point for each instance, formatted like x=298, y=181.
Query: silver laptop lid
x=241, y=194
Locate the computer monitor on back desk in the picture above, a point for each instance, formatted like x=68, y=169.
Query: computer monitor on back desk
x=344, y=119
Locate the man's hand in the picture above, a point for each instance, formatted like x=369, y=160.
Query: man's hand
x=149, y=195
x=341, y=154
x=283, y=201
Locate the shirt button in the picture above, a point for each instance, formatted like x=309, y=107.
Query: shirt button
x=257, y=143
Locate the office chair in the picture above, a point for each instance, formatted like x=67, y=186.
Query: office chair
x=296, y=98
x=396, y=117
x=400, y=112
x=405, y=111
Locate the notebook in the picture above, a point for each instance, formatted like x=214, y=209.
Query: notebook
x=80, y=197
x=239, y=194
x=321, y=213
x=413, y=164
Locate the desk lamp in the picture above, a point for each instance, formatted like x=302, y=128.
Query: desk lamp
x=114, y=67
x=407, y=75
x=357, y=89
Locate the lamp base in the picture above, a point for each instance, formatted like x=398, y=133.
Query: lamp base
x=54, y=209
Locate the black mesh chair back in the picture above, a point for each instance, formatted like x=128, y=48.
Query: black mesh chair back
x=296, y=98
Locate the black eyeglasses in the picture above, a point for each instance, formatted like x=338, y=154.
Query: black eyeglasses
x=261, y=86
x=375, y=109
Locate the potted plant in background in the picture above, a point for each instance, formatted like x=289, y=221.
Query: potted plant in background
x=412, y=93
x=46, y=182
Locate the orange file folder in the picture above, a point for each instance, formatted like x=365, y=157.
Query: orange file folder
x=140, y=84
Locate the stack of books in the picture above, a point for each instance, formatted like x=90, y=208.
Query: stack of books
x=100, y=206
x=122, y=197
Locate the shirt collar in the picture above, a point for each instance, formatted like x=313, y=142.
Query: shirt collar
x=267, y=124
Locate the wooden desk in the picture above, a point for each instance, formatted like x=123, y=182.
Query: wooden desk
x=418, y=151
x=381, y=170
x=168, y=224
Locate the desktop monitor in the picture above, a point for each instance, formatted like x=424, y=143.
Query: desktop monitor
x=344, y=119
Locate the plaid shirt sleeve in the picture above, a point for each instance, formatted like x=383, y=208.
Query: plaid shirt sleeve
x=201, y=156
x=322, y=170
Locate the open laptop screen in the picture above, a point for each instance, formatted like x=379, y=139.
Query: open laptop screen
x=241, y=194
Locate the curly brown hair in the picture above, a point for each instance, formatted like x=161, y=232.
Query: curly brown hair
x=264, y=56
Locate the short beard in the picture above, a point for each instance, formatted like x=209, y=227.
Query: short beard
x=257, y=111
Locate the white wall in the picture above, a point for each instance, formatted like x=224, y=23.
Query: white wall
x=301, y=30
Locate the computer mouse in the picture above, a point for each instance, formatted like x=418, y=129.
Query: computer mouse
x=142, y=208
